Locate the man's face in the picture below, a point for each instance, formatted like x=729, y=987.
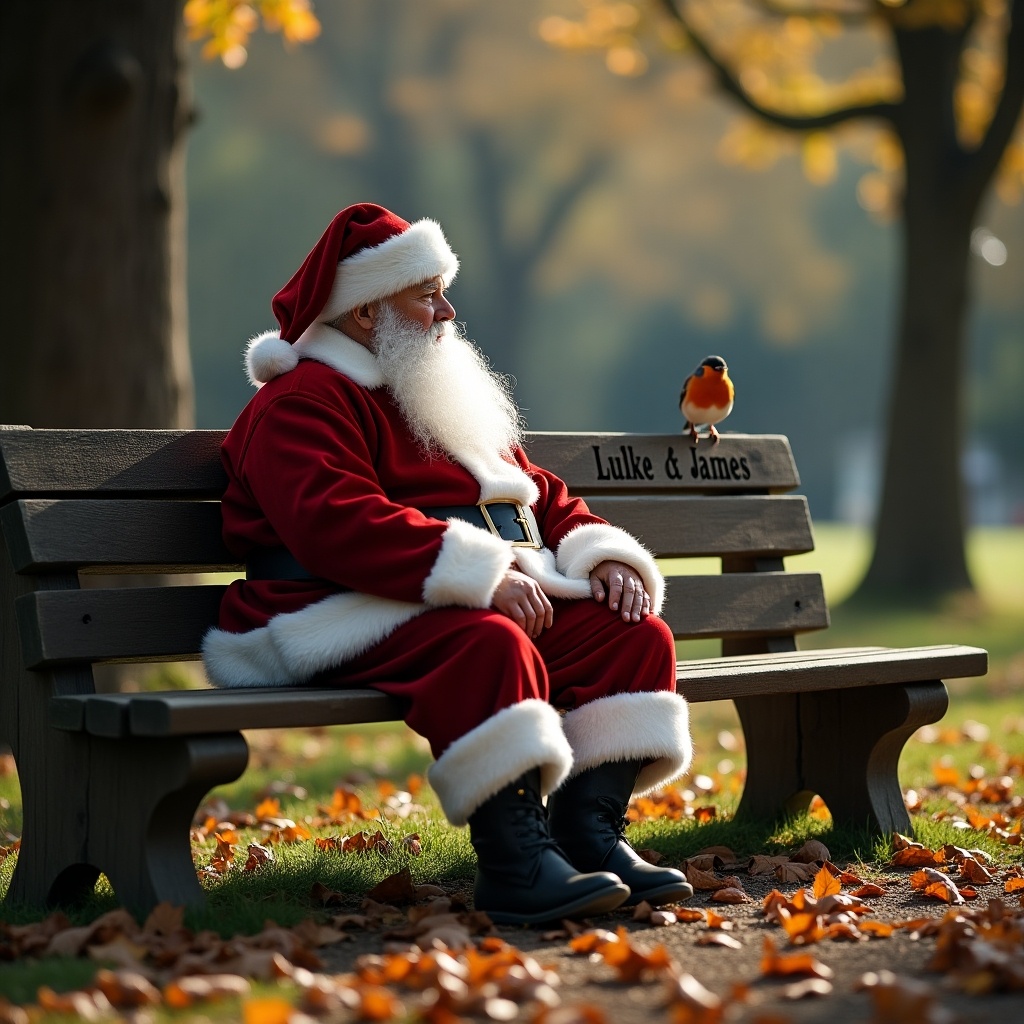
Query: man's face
x=423, y=304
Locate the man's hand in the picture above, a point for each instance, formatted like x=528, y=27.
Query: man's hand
x=521, y=599
x=622, y=585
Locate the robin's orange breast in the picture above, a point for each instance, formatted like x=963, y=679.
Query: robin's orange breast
x=712, y=390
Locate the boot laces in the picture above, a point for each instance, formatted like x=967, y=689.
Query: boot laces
x=531, y=825
x=613, y=814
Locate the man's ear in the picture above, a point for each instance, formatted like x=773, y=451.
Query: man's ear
x=365, y=315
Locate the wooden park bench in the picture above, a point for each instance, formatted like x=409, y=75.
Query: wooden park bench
x=110, y=782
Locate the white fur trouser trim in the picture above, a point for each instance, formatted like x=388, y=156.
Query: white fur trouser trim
x=651, y=727
x=498, y=751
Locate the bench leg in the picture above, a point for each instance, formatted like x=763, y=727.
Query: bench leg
x=140, y=817
x=844, y=745
x=133, y=826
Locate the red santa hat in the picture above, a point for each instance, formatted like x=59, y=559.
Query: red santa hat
x=366, y=254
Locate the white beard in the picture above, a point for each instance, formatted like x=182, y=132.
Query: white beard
x=453, y=402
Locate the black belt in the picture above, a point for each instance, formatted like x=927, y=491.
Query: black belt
x=505, y=519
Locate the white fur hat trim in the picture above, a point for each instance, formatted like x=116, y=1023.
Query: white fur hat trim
x=268, y=356
x=416, y=255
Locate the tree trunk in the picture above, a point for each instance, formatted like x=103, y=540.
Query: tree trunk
x=920, y=532
x=92, y=214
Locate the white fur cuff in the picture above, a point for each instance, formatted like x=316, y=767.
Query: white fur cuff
x=584, y=548
x=498, y=751
x=468, y=568
x=633, y=726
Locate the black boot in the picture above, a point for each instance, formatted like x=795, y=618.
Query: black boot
x=588, y=821
x=522, y=877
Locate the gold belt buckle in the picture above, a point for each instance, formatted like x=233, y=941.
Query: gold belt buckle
x=530, y=542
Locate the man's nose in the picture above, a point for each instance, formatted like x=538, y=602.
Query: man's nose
x=444, y=310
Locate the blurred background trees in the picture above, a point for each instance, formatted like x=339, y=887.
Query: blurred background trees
x=611, y=231
x=945, y=81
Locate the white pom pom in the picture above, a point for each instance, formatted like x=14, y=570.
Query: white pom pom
x=268, y=356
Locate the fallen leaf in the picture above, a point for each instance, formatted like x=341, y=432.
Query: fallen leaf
x=808, y=987
x=810, y=852
x=651, y=856
x=396, y=888
x=127, y=989
x=761, y=864
x=937, y=884
x=730, y=895
x=792, y=871
x=703, y=881
x=258, y=857
x=183, y=992
x=825, y=883
x=269, y=1010
x=868, y=889
x=718, y=939
x=774, y=964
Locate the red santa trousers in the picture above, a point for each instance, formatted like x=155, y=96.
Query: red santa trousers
x=487, y=697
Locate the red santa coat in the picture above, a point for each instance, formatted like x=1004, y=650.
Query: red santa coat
x=322, y=462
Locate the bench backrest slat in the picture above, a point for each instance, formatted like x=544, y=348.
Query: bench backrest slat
x=666, y=463
x=158, y=535
x=692, y=527
x=168, y=623
x=44, y=534
x=50, y=463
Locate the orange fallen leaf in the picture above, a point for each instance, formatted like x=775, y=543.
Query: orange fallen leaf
x=718, y=939
x=270, y=1010
x=825, y=883
x=878, y=928
x=868, y=889
x=801, y=928
x=937, y=884
x=730, y=895
x=776, y=965
x=915, y=857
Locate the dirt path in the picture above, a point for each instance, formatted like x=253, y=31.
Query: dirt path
x=719, y=968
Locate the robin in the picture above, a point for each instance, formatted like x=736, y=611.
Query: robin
x=706, y=397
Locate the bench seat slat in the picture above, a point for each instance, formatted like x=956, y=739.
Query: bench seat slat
x=168, y=623
x=149, y=536
x=183, y=712
x=806, y=671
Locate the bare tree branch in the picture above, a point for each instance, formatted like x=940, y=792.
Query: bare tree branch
x=849, y=13
x=986, y=157
x=729, y=81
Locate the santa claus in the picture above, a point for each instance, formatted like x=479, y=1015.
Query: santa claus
x=397, y=536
